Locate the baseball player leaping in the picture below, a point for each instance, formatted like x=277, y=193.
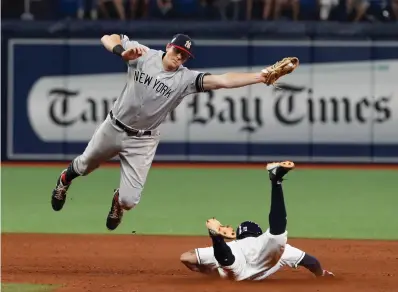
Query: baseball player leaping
x=156, y=83
x=253, y=255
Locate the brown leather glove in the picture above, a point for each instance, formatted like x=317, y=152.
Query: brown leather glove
x=281, y=68
x=216, y=228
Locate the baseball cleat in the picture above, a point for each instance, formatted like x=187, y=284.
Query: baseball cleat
x=115, y=214
x=216, y=228
x=277, y=170
x=59, y=193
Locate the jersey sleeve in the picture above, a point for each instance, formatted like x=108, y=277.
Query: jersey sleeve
x=129, y=44
x=291, y=256
x=205, y=256
x=193, y=81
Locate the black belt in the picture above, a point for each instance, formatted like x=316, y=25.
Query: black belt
x=127, y=129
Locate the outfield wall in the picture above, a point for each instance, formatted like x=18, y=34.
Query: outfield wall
x=341, y=105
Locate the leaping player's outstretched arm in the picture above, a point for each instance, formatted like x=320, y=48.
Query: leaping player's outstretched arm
x=268, y=76
x=232, y=80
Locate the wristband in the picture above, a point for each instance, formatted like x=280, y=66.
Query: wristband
x=118, y=50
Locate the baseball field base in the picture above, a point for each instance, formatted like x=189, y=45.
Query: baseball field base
x=151, y=263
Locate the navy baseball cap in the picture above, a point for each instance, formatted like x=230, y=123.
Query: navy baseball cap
x=248, y=228
x=184, y=43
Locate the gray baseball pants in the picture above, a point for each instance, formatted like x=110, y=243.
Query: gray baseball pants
x=136, y=155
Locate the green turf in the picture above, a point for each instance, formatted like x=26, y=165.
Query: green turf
x=7, y=287
x=320, y=203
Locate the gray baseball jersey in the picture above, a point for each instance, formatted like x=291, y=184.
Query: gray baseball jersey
x=149, y=95
x=151, y=92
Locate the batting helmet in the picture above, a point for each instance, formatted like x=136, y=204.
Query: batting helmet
x=248, y=228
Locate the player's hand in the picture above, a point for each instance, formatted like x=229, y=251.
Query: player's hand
x=133, y=53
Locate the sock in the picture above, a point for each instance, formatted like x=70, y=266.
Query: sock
x=69, y=175
x=277, y=216
x=311, y=263
x=222, y=252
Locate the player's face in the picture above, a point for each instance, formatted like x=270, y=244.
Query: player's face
x=176, y=57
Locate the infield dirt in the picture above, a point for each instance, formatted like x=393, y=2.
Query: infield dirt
x=151, y=263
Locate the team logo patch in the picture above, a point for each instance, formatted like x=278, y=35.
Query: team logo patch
x=188, y=44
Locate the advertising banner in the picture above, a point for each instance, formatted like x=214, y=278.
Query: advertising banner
x=340, y=105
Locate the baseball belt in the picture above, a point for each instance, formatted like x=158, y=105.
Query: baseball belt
x=130, y=131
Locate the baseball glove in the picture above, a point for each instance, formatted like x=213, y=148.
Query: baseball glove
x=216, y=228
x=279, y=69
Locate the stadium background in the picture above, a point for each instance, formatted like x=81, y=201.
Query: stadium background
x=336, y=117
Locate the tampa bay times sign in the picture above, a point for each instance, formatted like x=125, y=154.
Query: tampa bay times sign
x=328, y=111
x=205, y=108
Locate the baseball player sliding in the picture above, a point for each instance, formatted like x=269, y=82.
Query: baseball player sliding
x=253, y=255
x=156, y=84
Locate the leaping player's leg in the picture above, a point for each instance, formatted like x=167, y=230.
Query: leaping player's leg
x=104, y=144
x=135, y=161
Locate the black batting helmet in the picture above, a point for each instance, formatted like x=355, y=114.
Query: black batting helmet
x=248, y=228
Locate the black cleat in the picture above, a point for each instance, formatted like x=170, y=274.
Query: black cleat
x=115, y=214
x=277, y=170
x=59, y=193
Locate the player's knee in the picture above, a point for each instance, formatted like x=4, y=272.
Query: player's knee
x=189, y=258
x=127, y=203
x=128, y=199
x=84, y=166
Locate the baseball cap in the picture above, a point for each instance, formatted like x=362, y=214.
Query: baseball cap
x=248, y=228
x=184, y=43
